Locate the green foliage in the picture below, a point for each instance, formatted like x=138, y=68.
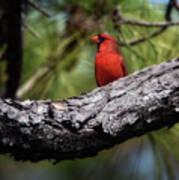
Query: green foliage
x=51, y=49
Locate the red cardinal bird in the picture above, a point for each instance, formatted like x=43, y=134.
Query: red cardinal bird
x=109, y=63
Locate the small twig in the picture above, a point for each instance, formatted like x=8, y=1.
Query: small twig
x=30, y=30
x=142, y=39
x=29, y=84
x=39, y=8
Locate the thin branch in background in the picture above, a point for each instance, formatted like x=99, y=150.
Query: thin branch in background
x=123, y=20
x=130, y=49
x=32, y=31
x=29, y=84
x=39, y=8
x=119, y=19
x=142, y=39
x=147, y=24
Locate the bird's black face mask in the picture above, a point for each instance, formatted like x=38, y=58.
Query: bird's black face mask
x=101, y=39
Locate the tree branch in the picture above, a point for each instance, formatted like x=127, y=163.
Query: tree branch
x=39, y=8
x=82, y=126
x=172, y=3
x=143, y=38
x=33, y=32
x=147, y=24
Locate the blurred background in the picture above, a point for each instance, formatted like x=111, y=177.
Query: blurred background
x=58, y=62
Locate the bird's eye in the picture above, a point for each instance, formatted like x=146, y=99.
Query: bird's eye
x=101, y=39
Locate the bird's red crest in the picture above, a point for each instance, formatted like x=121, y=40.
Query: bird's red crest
x=108, y=37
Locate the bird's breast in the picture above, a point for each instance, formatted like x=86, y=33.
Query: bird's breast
x=108, y=67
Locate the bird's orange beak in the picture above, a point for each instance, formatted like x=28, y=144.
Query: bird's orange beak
x=95, y=39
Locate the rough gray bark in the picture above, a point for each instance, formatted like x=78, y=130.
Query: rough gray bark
x=82, y=126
